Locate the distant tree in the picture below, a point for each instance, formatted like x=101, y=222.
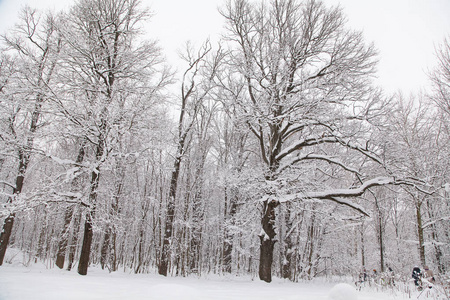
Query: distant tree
x=110, y=79
x=416, y=144
x=35, y=44
x=196, y=87
x=440, y=78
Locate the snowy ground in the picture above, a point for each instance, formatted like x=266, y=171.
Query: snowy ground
x=39, y=283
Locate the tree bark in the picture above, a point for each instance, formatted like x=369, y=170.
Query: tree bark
x=228, y=242
x=73, y=241
x=286, y=269
x=87, y=237
x=165, y=252
x=420, y=232
x=5, y=235
x=86, y=248
x=69, y=214
x=24, y=159
x=267, y=239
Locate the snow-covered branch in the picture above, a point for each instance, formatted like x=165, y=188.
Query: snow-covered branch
x=8, y=184
x=339, y=195
x=311, y=156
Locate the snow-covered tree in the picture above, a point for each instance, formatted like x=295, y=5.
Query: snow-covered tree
x=34, y=45
x=308, y=98
x=111, y=79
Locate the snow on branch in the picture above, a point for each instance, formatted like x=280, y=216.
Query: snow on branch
x=430, y=223
x=61, y=161
x=305, y=143
x=352, y=192
x=339, y=195
x=311, y=156
x=8, y=184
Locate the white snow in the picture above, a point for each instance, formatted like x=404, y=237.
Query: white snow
x=37, y=282
x=343, y=291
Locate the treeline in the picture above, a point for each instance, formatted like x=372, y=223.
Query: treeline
x=282, y=159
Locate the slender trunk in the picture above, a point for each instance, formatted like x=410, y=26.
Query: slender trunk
x=311, y=239
x=24, y=159
x=86, y=247
x=381, y=246
x=363, y=254
x=64, y=237
x=165, y=251
x=380, y=232
x=87, y=237
x=73, y=241
x=228, y=242
x=105, y=248
x=68, y=215
x=5, y=235
x=286, y=269
x=267, y=241
x=435, y=239
x=420, y=232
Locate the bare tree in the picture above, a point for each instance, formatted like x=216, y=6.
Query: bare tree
x=36, y=44
x=440, y=77
x=110, y=78
x=308, y=86
x=196, y=85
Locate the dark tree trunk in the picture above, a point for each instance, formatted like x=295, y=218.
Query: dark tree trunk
x=228, y=242
x=380, y=231
x=363, y=254
x=286, y=265
x=420, y=232
x=73, y=241
x=87, y=237
x=105, y=248
x=267, y=241
x=86, y=248
x=63, y=240
x=68, y=214
x=24, y=159
x=5, y=235
x=435, y=239
x=165, y=251
x=312, y=245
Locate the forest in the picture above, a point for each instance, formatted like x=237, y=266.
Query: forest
x=271, y=152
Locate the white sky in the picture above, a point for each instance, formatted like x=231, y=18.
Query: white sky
x=404, y=31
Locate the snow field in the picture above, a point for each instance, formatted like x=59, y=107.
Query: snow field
x=343, y=291
x=39, y=283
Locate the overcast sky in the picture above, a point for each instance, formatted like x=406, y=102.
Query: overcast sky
x=404, y=31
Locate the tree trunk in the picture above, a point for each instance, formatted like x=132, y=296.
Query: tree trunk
x=312, y=245
x=420, y=232
x=73, y=241
x=86, y=248
x=105, y=248
x=363, y=254
x=267, y=239
x=24, y=159
x=68, y=214
x=435, y=239
x=380, y=231
x=286, y=269
x=87, y=237
x=228, y=242
x=63, y=240
x=5, y=235
x=165, y=252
